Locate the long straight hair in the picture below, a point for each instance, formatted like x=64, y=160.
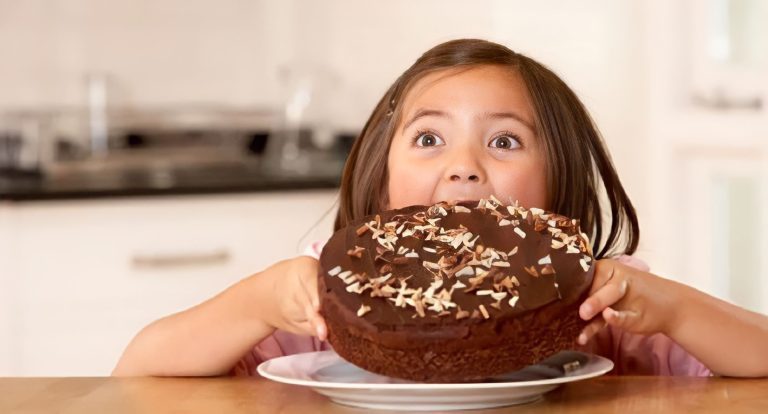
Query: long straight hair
x=582, y=182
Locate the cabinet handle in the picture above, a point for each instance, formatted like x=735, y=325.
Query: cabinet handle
x=181, y=259
x=720, y=101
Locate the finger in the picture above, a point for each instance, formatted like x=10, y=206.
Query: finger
x=620, y=319
x=309, y=286
x=312, y=312
x=605, y=270
x=322, y=328
x=302, y=328
x=590, y=330
x=604, y=297
x=318, y=323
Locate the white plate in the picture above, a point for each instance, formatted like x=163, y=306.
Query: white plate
x=344, y=383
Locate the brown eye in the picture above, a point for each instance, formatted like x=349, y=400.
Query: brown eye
x=505, y=142
x=428, y=140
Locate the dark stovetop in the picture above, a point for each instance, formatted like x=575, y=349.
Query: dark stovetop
x=31, y=187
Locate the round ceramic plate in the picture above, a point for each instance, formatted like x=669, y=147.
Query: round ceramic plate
x=344, y=383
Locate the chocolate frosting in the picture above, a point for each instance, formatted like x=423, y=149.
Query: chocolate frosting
x=440, y=269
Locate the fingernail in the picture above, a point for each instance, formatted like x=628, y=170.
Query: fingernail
x=586, y=311
x=321, y=334
x=613, y=313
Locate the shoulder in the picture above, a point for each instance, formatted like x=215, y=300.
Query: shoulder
x=314, y=249
x=632, y=261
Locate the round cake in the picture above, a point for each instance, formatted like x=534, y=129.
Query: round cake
x=454, y=292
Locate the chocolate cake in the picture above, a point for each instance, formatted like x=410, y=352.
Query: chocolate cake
x=454, y=292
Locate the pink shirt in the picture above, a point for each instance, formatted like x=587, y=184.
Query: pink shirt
x=631, y=353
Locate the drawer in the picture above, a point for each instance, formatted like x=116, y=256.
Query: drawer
x=91, y=274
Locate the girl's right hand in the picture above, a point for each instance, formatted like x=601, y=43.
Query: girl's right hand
x=294, y=297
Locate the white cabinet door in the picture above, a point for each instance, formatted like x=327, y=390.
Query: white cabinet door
x=95, y=272
x=725, y=197
x=8, y=279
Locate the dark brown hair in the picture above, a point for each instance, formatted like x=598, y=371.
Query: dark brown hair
x=580, y=175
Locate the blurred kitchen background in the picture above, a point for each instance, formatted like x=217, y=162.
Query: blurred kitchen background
x=154, y=152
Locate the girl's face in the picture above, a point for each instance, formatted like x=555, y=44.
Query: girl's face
x=466, y=134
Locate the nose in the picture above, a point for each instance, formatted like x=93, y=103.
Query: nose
x=470, y=178
x=465, y=168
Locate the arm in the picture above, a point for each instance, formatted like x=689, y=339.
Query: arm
x=209, y=339
x=727, y=339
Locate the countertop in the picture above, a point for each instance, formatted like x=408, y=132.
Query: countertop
x=31, y=188
x=608, y=394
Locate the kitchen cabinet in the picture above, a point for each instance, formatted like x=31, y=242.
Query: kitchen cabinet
x=7, y=273
x=729, y=53
x=708, y=147
x=89, y=274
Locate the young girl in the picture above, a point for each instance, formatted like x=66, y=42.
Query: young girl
x=468, y=120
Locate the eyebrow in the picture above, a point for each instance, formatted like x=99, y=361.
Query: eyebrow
x=424, y=112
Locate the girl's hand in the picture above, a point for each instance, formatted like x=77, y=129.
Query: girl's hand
x=294, y=297
x=627, y=298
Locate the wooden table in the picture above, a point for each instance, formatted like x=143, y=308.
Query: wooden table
x=257, y=395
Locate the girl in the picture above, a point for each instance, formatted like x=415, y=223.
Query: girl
x=468, y=120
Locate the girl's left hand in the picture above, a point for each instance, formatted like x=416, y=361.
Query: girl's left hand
x=627, y=298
